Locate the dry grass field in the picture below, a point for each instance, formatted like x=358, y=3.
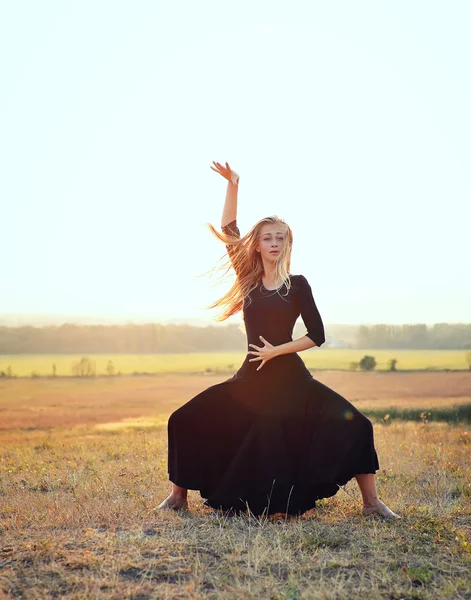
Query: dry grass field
x=83, y=466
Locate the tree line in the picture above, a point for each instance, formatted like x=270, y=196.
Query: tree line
x=120, y=339
x=441, y=336
x=154, y=338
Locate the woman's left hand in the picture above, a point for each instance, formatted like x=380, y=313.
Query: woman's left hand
x=264, y=354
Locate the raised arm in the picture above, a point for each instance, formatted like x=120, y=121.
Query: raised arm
x=229, y=212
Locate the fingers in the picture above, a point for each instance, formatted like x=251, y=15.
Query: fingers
x=258, y=358
x=224, y=171
x=257, y=355
x=254, y=346
x=220, y=168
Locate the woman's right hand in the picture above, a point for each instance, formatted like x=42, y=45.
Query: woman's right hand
x=226, y=172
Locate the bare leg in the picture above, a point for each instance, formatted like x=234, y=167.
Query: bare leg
x=371, y=503
x=177, y=499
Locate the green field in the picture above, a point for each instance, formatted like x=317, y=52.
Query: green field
x=23, y=365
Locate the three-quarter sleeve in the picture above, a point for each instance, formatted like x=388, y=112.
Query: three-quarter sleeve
x=309, y=313
x=231, y=229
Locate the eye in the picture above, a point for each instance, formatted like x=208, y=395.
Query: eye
x=280, y=239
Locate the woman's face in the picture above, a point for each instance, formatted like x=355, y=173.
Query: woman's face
x=270, y=241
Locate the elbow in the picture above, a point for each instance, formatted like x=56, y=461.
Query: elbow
x=317, y=338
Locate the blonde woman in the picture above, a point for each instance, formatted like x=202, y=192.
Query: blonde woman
x=271, y=439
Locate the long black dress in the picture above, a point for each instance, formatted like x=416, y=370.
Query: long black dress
x=273, y=440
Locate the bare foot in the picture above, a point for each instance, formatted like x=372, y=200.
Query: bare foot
x=380, y=509
x=174, y=502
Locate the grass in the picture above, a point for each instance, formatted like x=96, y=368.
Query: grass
x=82, y=473
x=23, y=365
x=452, y=414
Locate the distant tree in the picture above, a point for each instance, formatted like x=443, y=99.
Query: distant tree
x=468, y=359
x=353, y=366
x=363, y=336
x=84, y=367
x=392, y=364
x=367, y=363
x=54, y=370
x=110, y=370
x=9, y=372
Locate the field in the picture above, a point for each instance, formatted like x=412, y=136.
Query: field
x=23, y=365
x=83, y=466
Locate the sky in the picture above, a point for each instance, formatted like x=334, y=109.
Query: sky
x=350, y=120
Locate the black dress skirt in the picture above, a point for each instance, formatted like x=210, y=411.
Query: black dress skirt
x=273, y=440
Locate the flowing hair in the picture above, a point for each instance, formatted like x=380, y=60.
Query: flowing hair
x=247, y=263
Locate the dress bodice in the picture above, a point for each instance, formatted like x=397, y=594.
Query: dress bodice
x=273, y=313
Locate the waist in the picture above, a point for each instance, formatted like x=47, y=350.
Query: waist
x=277, y=369
x=282, y=339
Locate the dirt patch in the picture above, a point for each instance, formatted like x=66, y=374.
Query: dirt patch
x=47, y=404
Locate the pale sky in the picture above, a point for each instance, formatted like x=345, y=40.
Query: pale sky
x=351, y=120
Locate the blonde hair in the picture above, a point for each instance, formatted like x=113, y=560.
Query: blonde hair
x=248, y=266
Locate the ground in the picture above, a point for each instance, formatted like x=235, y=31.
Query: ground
x=83, y=466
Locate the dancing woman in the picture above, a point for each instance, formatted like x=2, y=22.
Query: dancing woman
x=271, y=439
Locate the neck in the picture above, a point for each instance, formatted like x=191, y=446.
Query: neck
x=269, y=274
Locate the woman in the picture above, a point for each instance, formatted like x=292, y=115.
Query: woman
x=270, y=439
